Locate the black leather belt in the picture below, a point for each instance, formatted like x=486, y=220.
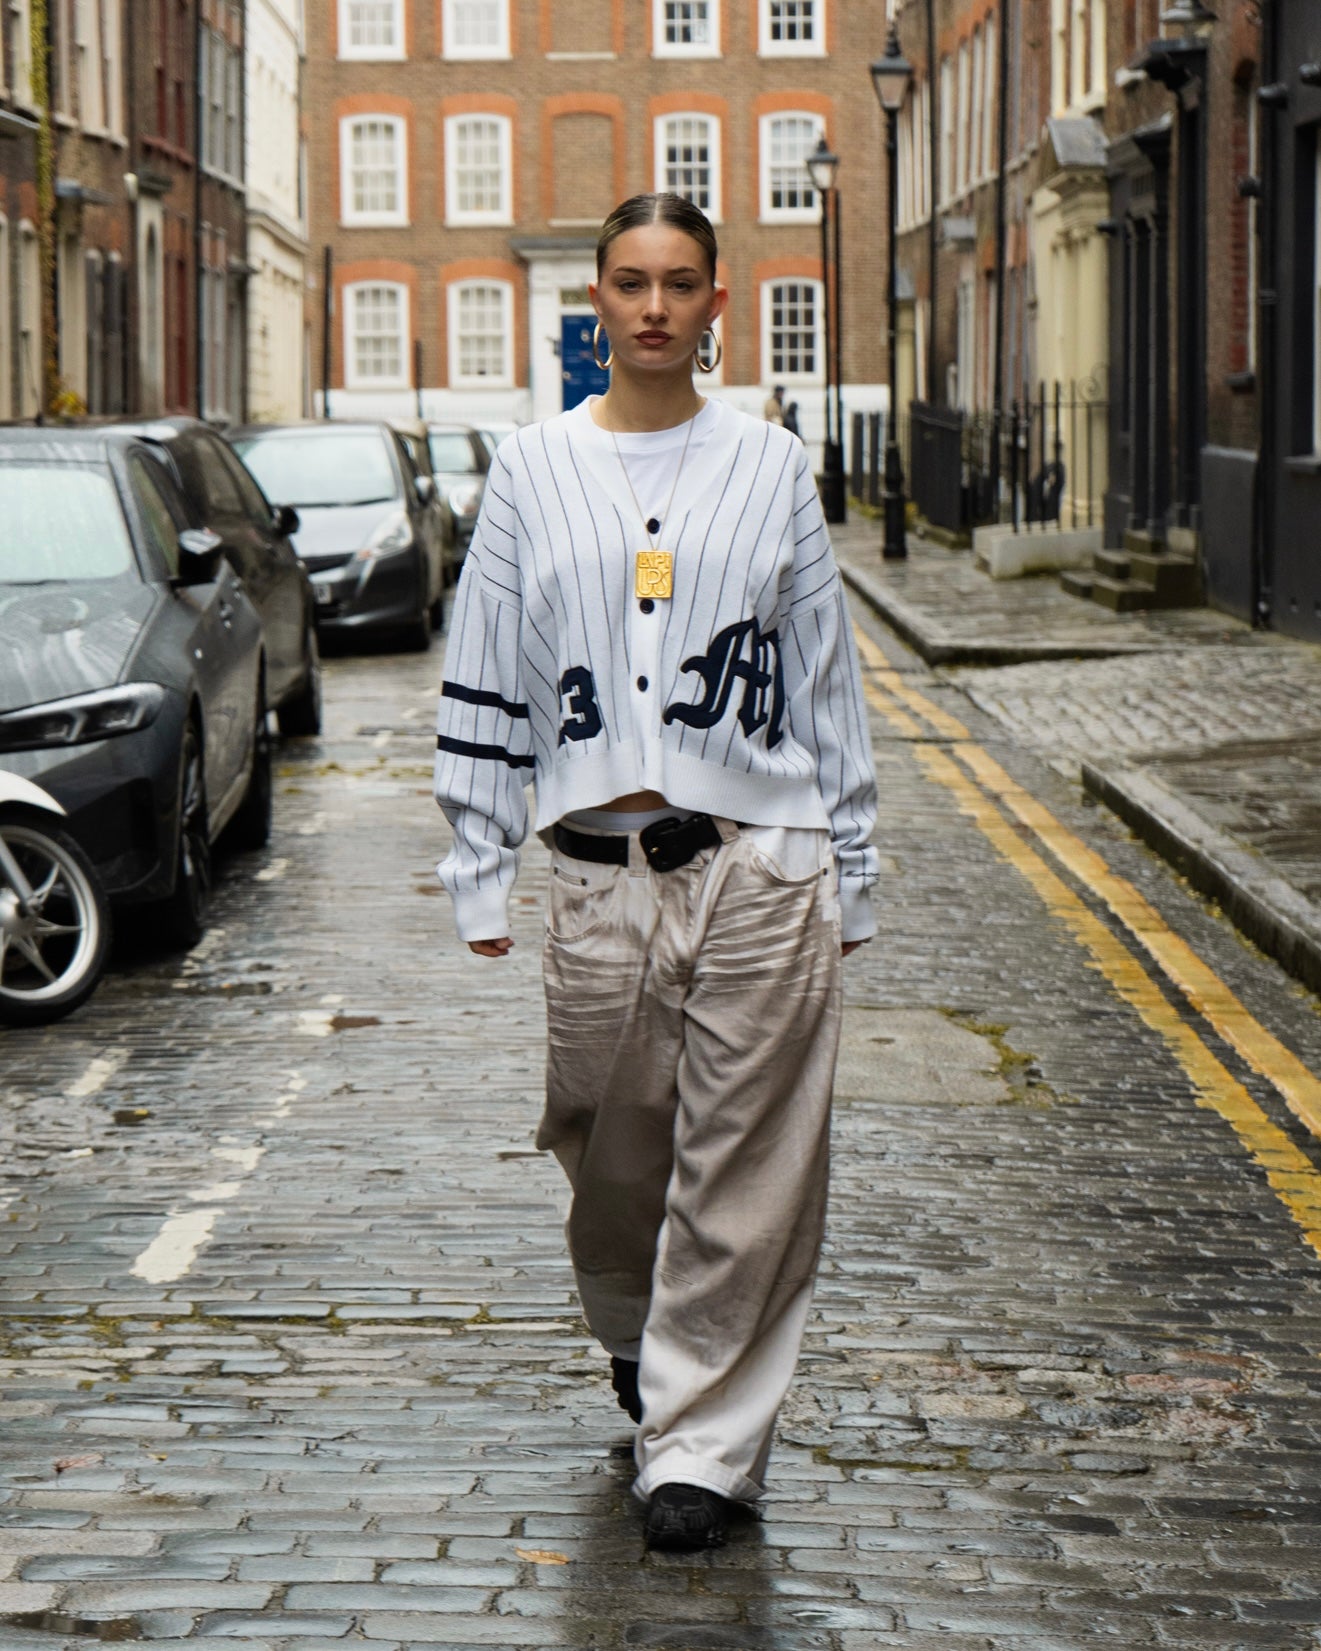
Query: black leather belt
x=667, y=844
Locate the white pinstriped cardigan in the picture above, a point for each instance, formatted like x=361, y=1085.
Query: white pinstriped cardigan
x=740, y=696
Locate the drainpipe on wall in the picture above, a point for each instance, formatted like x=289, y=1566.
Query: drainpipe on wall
x=199, y=293
x=1263, y=524
x=933, y=138
x=48, y=378
x=1001, y=232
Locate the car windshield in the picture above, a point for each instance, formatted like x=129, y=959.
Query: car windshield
x=451, y=450
x=322, y=467
x=61, y=522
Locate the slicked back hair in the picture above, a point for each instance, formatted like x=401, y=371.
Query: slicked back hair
x=664, y=208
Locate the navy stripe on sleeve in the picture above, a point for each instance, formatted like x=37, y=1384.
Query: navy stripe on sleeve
x=492, y=753
x=482, y=696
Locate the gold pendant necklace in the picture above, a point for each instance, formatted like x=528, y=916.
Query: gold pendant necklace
x=653, y=569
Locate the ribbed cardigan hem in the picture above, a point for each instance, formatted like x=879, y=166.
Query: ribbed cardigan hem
x=687, y=782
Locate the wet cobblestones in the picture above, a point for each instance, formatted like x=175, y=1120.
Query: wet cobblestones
x=1061, y=1387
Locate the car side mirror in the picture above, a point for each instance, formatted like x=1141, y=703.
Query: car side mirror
x=426, y=488
x=284, y=519
x=200, y=551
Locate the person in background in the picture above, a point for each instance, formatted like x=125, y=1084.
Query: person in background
x=791, y=419
x=773, y=412
x=651, y=627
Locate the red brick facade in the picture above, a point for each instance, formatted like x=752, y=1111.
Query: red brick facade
x=579, y=99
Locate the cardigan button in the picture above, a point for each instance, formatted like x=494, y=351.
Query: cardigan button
x=646, y=604
x=643, y=684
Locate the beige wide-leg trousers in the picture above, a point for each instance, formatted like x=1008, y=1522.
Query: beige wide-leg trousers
x=693, y=1030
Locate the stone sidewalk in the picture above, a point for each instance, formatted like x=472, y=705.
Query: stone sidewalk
x=1203, y=735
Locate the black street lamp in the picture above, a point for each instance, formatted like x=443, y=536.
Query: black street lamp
x=1190, y=17
x=822, y=167
x=890, y=76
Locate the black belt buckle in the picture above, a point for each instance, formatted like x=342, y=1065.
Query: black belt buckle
x=671, y=843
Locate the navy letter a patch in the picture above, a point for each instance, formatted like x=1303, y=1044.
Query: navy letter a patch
x=742, y=652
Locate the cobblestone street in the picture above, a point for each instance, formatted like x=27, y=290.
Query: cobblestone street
x=291, y=1357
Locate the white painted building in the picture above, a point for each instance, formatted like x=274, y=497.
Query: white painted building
x=278, y=352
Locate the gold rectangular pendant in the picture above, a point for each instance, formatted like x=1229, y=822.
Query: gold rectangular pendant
x=653, y=574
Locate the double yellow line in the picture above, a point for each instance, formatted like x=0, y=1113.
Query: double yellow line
x=1001, y=809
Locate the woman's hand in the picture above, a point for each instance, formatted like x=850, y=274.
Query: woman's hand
x=491, y=948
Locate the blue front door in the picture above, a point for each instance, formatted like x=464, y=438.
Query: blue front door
x=582, y=377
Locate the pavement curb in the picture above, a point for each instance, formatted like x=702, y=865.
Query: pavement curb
x=1272, y=913
x=937, y=647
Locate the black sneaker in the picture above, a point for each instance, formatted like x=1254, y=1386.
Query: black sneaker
x=685, y=1518
x=624, y=1380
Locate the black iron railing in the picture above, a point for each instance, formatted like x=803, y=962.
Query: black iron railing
x=1041, y=461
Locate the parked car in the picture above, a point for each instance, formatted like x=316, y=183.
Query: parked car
x=459, y=462
x=368, y=531
x=413, y=434
x=494, y=433
x=132, y=667
x=226, y=498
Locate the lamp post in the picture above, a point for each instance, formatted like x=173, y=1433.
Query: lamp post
x=890, y=76
x=822, y=166
x=1190, y=17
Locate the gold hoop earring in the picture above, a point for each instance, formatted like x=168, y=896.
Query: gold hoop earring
x=720, y=352
x=596, y=350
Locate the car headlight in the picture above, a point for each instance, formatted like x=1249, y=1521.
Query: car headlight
x=394, y=533
x=464, y=498
x=82, y=718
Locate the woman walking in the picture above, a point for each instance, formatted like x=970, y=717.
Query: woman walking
x=650, y=626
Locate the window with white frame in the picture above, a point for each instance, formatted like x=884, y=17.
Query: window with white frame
x=371, y=29
x=475, y=28
x=792, y=28
x=975, y=159
x=1059, y=56
x=481, y=334
x=29, y=320
x=688, y=159
x=923, y=104
x=904, y=158
x=214, y=343
x=18, y=67
x=1096, y=52
x=685, y=28
x=989, y=99
x=787, y=139
x=91, y=69
x=963, y=124
x=112, y=50
x=373, y=170
x=791, y=330
x=219, y=78
x=946, y=130
x=1078, y=62
x=233, y=106
x=376, y=335
x=478, y=170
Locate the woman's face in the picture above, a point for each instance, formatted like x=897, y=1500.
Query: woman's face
x=655, y=297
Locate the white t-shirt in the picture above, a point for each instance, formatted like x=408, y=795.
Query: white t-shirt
x=649, y=459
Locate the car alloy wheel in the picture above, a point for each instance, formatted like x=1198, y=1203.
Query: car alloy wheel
x=54, y=920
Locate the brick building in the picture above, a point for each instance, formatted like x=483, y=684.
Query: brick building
x=278, y=385
x=463, y=153
x=123, y=291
